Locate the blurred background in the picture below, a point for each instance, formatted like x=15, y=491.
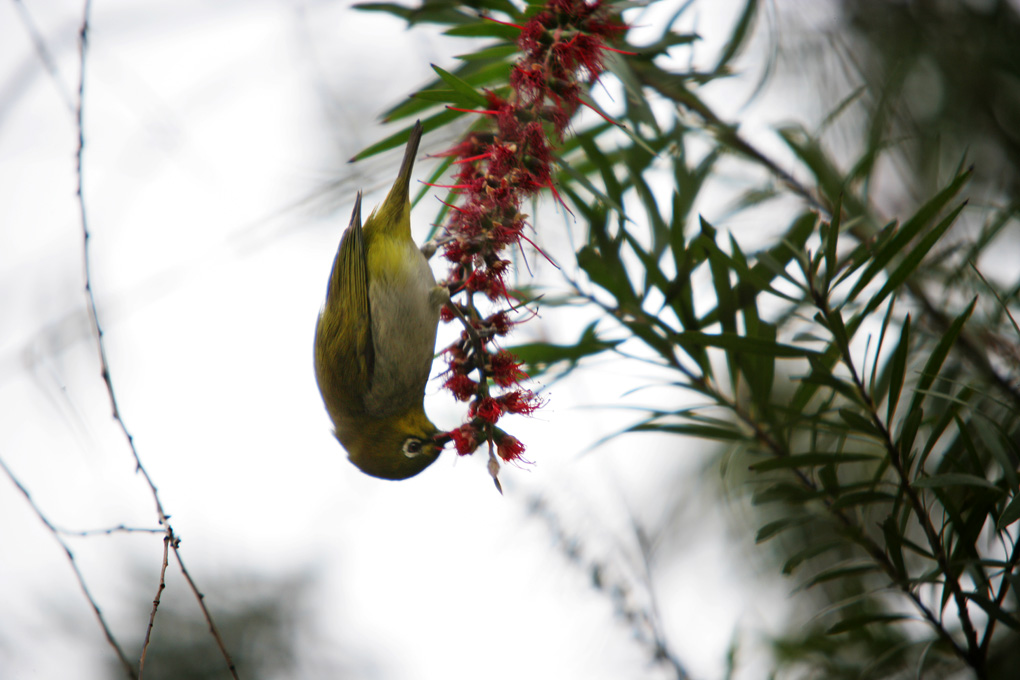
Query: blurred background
x=216, y=181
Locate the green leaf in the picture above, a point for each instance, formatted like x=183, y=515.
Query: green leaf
x=808, y=553
x=485, y=29
x=860, y=423
x=444, y=96
x=838, y=573
x=773, y=262
x=854, y=622
x=908, y=431
x=759, y=371
x=994, y=610
x=719, y=266
x=738, y=343
x=911, y=261
x=906, y=233
x=898, y=368
x=388, y=7
x=780, y=525
x=784, y=492
x=400, y=138
x=894, y=546
x=829, y=243
x=812, y=460
x=1010, y=513
x=862, y=498
x=461, y=86
x=938, y=355
x=738, y=37
x=691, y=430
x=495, y=52
x=540, y=355
x=954, y=479
x=819, y=376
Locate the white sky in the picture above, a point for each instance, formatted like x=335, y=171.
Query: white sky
x=206, y=124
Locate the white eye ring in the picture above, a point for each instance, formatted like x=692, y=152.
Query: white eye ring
x=412, y=447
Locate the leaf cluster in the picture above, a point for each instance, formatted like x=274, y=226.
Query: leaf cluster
x=861, y=371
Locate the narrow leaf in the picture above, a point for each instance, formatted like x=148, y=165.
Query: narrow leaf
x=461, y=86
x=854, y=622
x=897, y=368
x=1010, y=513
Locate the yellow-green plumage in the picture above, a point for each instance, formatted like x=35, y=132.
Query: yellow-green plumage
x=376, y=337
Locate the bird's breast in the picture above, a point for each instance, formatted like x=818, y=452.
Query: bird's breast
x=404, y=320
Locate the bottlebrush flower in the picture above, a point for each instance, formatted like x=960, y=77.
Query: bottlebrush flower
x=561, y=50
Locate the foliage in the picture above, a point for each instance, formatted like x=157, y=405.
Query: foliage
x=860, y=371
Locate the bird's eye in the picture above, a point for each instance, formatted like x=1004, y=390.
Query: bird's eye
x=412, y=447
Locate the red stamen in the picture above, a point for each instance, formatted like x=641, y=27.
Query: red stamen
x=559, y=198
x=505, y=23
x=480, y=111
x=474, y=158
x=451, y=206
x=447, y=186
x=613, y=49
x=604, y=116
x=540, y=251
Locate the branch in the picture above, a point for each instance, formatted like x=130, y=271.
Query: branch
x=155, y=604
x=175, y=543
x=77, y=572
x=170, y=538
x=973, y=655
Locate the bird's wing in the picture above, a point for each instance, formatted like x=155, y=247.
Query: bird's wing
x=347, y=353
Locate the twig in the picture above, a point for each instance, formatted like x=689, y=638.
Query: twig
x=119, y=529
x=645, y=621
x=935, y=540
x=77, y=572
x=174, y=543
x=155, y=604
x=170, y=538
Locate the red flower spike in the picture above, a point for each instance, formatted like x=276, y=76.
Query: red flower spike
x=562, y=47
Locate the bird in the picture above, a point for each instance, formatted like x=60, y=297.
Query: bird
x=375, y=337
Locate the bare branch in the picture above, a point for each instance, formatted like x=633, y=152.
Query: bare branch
x=77, y=572
x=170, y=538
x=155, y=603
x=175, y=543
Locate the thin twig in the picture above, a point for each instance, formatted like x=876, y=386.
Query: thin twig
x=935, y=538
x=119, y=529
x=174, y=543
x=77, y=572
x=155, y=604
x=1014, y=560
x=170, y=538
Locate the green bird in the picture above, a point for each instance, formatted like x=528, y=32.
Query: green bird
x=376, y=334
